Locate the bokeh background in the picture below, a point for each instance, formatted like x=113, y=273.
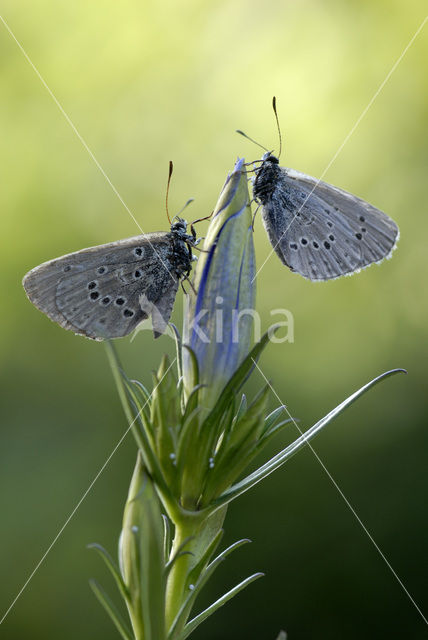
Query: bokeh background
x=145, y=82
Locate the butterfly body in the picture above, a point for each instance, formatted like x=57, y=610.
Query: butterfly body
x=318, y=230
x=107, y=290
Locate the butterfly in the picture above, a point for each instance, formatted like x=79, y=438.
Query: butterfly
x=106, y=291
x=318, y=230
x=315, y=229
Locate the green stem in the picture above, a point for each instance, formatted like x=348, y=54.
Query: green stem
x=196, y=532
x=136, y=618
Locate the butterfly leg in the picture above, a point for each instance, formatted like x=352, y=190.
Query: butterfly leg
x=255, y=212
x=199, y=220
x=199, y=249
x=185, y=277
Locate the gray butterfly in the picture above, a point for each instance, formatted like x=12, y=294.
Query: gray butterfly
x=316, y=229
x=106, y=291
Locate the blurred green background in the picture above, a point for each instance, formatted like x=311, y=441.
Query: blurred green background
x=146, y=82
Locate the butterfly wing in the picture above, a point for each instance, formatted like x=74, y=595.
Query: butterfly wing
x=323, y=232
x=106, y=291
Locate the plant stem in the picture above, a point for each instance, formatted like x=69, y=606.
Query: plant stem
x=195, y=533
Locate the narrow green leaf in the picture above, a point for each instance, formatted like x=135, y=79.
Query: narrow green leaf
x=273, y=430
x=141, y=436
x=166, y=416
x=236, y=449
x=196, y=587
x=144, y=391
x=167, y=537
x=206, y=557
x=273, y=417
x=193, y=373
x=112, y=611
x=178, y=348
x=278, y=460
x=164, y=404
x=233, y=465
x=195, y=622
x=202, y=449
x=244, y=370
x=178, y=554
x=226, y=552
x=141, y=397
x=192, y=402
x=112, y=568
x=140, y=408
x=197, y=458
x=246, y=425
x=231, y=389
x=242, y=407
x=118, y=378
x=185, y=445
x=179, y=590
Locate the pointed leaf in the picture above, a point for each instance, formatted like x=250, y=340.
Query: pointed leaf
x=226, y=552
x=206, y=557
x=235, y=383
x=192, y=368
x=167, y=537
x=112, y=611
x=187, y=443
x=112, y=568
x=144, y=392
x=165, y=417
x=193, y=624
x=246, y=425
x=178, y=348
x=273, y=417
x=204, y=447
x=274, y=430
x=278, y=460
x=140, y=409
x=192, y=402
x=178, y=554
x=196, y=588
x=141, y=436
x=236, y=449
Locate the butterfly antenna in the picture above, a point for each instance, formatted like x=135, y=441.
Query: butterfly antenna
x=186, y=205
x=277, y=124
x=252, y=140
x=171, y=169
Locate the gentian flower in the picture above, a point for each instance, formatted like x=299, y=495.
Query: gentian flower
x=219, y=319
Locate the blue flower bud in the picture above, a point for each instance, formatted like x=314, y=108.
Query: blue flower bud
x=219, y=319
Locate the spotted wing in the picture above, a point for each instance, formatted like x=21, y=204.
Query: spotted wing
x=323, y=232
x=106, y=291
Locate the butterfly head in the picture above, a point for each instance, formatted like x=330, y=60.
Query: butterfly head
x=179, y=230
x=179, y=226
x=268, y=157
